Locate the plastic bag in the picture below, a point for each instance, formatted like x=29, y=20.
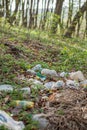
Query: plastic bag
x=9, y=122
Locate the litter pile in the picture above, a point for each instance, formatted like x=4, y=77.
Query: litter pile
x=61, y=96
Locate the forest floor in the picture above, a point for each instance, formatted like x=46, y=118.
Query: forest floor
x=21, y=50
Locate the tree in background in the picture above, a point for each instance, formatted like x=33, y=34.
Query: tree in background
x=36, y=14
x=57, y=15
x=78, y=15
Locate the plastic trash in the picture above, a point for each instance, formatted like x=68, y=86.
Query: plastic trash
x=63, y=74
x=58, y=84
x=26, y=104
x=49, y=85
x=78, y=76
x=39, y=75
x=72, y=84
x=9, y=122
x=42, y=121
x=26, y=90
x=49, y=73
x=6, y=87
x=34, y=81
x=31, y=72
x=83, y=83
x=37, y=68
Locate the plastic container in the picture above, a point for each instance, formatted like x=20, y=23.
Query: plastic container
x=39, y=75
x=6, y=87
x=27, y=104
x=9, y=122
x=37, y=68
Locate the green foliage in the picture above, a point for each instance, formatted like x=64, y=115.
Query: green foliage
x=24, y=65
x=30, y=124
x=36, y=89
x=55, y=22
x=3, y=128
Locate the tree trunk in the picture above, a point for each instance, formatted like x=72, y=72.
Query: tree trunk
x=45, y=14
x=79, y=21
x=70, y=12
x=36, y=13
x=78, y=15
x=23, y=12
x=31, y=17
x=86, y=20
x=7, y=10
x=58, y=10
x=1, y=8
x=25, y=17
x=13, y=17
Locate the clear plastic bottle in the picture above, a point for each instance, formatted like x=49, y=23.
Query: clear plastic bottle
x=9, y=122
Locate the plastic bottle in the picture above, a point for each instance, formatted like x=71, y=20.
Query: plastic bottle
x=9, y=122
x=27, y=104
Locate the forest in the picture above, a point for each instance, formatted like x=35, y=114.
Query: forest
x=43, y=64
x=52, y=15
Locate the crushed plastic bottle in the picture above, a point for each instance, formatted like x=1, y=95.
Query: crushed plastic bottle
x=6, y=87
x=42, y=121
x=27, y=104
x=49, y=85
x=26, y=90
x=37, y=68
x=58, y=84
x=9, y=122
x=63, y=74
x=39, y=75
x=83, y=83
x=35, y=81
x=31, y=72
x=78, y=76
x=49, y=73
x=72, y=84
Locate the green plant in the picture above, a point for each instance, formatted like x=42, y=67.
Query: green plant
x=30, y=123
x=3, y=128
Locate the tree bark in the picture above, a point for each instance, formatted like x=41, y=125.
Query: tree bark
x=1, y=8
x=31, y=17
x=36, y=13
x=57, y=11
x=78, y=15
x=7, y=10
x=13, y=17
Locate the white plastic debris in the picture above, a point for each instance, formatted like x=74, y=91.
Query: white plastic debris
x=6, y=87
x=63, y=74
x=49, y=73
x=9, y=122
x=31, y=72
x=37, y=68
x=83, y=83
x=42, y=121
x=49, y=85
x=78, y=76
x=58, y=84
x=26, y=90
x=34, y=81
x=72, y=84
